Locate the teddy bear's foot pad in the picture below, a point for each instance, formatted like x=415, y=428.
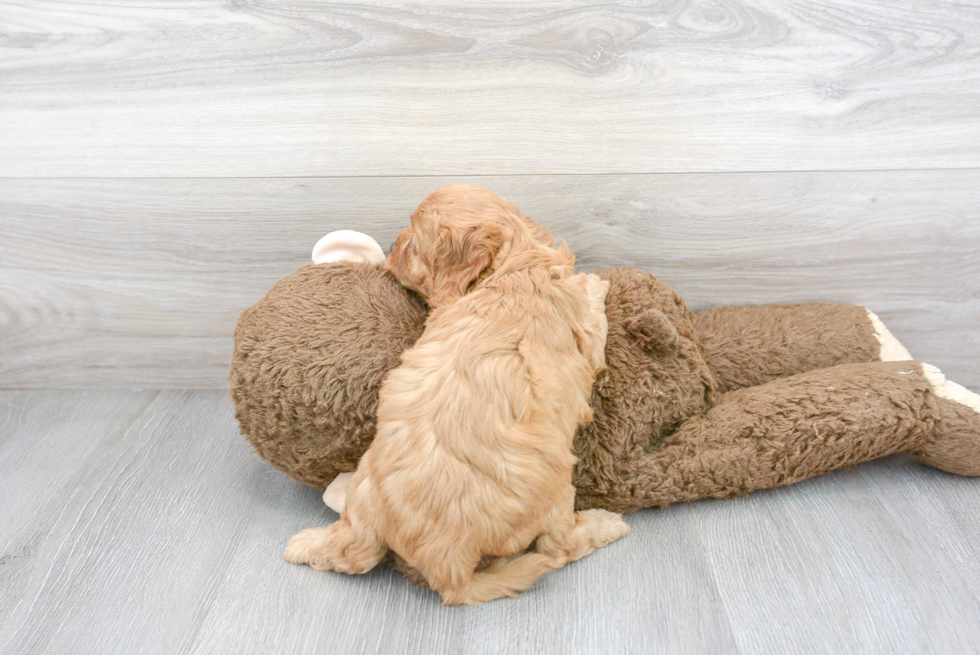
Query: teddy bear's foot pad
x=335, y=495
x=892, y=349
x=950, y=390
x=955, y=445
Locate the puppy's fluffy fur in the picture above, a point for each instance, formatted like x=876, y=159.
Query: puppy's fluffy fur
x=473, y=451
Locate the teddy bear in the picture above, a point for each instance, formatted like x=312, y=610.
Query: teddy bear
x=713, y=404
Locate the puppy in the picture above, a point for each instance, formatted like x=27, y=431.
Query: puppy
x=473, y=453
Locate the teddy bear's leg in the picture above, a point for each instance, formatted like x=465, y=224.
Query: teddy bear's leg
x=954, y=445
x=749, y=346
x=798, y=427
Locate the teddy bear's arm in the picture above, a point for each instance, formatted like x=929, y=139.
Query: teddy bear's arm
x=752, y=345
x=801, y=426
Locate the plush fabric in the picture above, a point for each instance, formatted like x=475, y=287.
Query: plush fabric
x=690, y=406
x=794, y=428
x=752, y=345
x=715, y=404
x=308, y=363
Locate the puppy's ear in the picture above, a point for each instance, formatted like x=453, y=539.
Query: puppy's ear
x=460, y=259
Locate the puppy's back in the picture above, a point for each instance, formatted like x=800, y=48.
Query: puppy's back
x=478, y=421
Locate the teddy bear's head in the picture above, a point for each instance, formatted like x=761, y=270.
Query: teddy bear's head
x=308, y=362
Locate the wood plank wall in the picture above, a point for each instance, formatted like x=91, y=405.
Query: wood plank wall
x=163, y=162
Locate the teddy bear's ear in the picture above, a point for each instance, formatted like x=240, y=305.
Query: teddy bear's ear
x=347, y=246
x=652, y=330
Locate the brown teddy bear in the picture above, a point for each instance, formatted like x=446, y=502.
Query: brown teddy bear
x=714, y=404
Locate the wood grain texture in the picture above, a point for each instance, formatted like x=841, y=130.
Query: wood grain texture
x=162, y=533
x=846, y=563
x=140, y=282
x=44, y=439
x=128, y=560
x=262, y=88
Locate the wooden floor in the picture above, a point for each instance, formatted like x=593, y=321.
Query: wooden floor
x=140, y=522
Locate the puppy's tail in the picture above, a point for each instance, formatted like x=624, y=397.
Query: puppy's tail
x=505, y=577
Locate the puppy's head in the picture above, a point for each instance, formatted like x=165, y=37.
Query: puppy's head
x=458, y=232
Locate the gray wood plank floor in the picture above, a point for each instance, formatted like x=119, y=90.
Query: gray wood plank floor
x=139, y=521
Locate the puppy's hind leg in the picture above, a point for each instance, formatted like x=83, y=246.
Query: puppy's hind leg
x=339, y=547
x=593, y=528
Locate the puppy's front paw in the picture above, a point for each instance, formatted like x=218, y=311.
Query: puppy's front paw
x=304, y=547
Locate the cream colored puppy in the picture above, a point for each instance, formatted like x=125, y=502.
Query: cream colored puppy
x=473, y=454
